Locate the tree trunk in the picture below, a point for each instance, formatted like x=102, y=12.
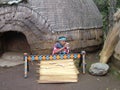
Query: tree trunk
x=112, y=10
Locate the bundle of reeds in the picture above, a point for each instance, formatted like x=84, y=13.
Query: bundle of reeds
x=111, y=40
x=57, y=71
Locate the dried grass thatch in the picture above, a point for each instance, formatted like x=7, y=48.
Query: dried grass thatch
x=45, y=20
x=111, y=40
x=66, y=15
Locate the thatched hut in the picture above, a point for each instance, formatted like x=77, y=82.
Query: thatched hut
x=35, y=26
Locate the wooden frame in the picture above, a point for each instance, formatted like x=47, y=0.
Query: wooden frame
x=27, y=58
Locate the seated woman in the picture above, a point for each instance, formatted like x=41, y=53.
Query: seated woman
x=61, y=47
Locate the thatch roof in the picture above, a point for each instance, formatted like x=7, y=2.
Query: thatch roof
x=10, y=2
x=65, y=15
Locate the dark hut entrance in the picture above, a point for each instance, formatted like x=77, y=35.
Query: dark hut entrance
x=13, y=41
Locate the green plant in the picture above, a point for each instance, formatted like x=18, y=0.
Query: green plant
x=104, y=7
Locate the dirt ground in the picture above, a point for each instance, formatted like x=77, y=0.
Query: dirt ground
x=12, y=79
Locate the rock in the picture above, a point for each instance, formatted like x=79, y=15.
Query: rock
x=10, y=59
x=12, y=56
x=98, y=69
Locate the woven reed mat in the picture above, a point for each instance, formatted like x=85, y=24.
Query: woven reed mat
x=57, y=71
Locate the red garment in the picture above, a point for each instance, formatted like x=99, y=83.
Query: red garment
x=57, y=46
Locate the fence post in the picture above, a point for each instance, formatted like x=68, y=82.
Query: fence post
x=25, y=65
x=83, y=62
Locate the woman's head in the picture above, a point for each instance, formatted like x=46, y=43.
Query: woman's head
x=62, y=40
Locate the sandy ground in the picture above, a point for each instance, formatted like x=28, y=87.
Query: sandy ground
x=12, y=79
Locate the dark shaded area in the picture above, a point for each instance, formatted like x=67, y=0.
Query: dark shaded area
x=13, y=41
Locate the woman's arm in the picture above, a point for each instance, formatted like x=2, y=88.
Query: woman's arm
x=58, y=50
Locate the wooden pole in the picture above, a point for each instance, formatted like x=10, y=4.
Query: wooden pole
x=110, y=43
x=25, y=65
x=83, y=62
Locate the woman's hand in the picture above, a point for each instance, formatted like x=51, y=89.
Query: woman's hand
x=66, y=45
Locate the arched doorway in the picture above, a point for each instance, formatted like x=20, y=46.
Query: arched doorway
x=22, y=29
x=13, y=41
x=24, y=19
